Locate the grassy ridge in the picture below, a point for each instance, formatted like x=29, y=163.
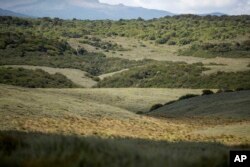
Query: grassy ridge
x=17, y=149
x=34, y=78
x=224, y=105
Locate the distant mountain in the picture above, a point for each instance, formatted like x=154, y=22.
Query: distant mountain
x=10, y=13
x=84, y=9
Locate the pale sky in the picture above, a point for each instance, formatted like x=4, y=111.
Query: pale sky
x=174, y=6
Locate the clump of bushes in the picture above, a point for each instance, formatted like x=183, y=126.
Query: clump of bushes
x=207, y=92
x=98, y=43
x=34, y=78
x=162, y=40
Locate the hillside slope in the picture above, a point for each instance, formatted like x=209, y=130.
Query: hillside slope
x=227, y=105
x=10, y=13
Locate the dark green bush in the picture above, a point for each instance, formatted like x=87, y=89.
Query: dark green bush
x=162, y=40
x=207, y=92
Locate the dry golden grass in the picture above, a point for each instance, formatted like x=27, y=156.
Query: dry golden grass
x=240, y=129
x=102, y=112
x=77, y=76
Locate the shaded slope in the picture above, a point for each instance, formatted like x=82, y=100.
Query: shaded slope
x=226, y=105
x=63, y=151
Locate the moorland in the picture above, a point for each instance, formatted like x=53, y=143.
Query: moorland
x=124, y=93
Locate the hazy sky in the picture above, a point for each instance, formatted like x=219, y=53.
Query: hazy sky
x=174, y=6
x=190, y=6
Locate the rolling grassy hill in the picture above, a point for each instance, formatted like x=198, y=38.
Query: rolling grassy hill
x=103, y=112
x=79, y=127
x=228, y=105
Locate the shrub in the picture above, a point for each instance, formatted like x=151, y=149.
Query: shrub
x=162, y=40
x=207, y=92
x=154, y=107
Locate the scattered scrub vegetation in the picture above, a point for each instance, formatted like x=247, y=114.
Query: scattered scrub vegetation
x=98, y=43
x=234, y=50
x=182, y=29
x=176, y=75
